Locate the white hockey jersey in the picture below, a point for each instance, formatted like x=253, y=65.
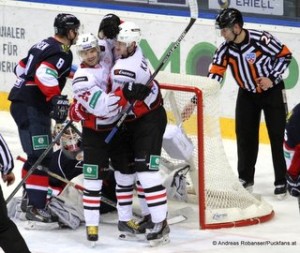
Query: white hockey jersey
x=135, y=69
x=107, y=53
x=91, y=89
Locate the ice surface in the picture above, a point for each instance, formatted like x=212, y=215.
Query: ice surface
x=281, y=234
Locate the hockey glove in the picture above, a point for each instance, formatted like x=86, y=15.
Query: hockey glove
x=176, y=184
x=60, y=106
x=293, y=186
x=77, y=112
x=136, y=91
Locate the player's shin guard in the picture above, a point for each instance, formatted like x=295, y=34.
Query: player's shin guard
x=142, y=200
x=145, y=222
x=37, y=187
x=91, y=205
x=124, y=193
x=155, y=195
x=156, y=198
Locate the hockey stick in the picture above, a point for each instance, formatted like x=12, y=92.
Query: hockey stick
x=194, y=15
x=76, y=186
x=172, y=220
x=39, y=160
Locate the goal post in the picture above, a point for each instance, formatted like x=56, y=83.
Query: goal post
x=222, y=200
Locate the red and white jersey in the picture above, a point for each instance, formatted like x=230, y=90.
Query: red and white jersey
x=135, y=69
x=91, y=89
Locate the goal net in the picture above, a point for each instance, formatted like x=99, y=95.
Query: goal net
x=223, y=202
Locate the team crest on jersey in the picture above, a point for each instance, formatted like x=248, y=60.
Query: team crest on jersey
x=251, y=57
x=124, y=72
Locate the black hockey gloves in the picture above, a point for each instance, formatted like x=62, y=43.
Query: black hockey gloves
x=110, y=26
x=135, y=91
x=60, y=107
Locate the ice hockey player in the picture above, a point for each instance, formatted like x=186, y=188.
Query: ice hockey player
x=66, y=160
x=145, y=126
x=107, y=34
x=291, y=147
x=37, y=92
x=66, y=203
x=98, y=111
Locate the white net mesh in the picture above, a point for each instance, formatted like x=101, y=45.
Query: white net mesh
x=226, y=201
x=223, y=201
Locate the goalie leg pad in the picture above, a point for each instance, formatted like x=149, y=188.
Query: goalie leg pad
x=66, y=215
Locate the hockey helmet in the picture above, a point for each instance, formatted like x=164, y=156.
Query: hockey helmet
x=129, y=32
x=86, y=41
x=109, y=25
x=65, y=22
x=228, y=17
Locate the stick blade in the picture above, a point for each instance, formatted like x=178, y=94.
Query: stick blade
x=193, y=8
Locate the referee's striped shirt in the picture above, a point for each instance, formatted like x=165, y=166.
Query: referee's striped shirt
x=260, y=55
x=6, y=159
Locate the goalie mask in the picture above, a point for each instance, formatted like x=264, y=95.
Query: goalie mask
x=88, y=49
x=69, y=141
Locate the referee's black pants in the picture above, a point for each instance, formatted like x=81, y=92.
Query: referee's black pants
x=11, y=241
x=248, y=114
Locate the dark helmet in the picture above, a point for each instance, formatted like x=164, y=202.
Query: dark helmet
x=228, y=17
x=110, y=25
x=65, y=22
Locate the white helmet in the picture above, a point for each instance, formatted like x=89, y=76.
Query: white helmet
x=86, y=41
x=129, y=32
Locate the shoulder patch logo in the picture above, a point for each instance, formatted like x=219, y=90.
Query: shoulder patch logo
x=80, y=79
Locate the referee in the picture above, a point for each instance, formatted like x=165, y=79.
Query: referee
x=11, y=241
x=257, y=61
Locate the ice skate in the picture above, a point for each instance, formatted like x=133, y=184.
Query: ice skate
x=280, y=191
x=247, y=185
x=92, y=234
x=129, y=230
x=40, y=215
x=40, y=219
x=144, y=224
x=159, y=235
